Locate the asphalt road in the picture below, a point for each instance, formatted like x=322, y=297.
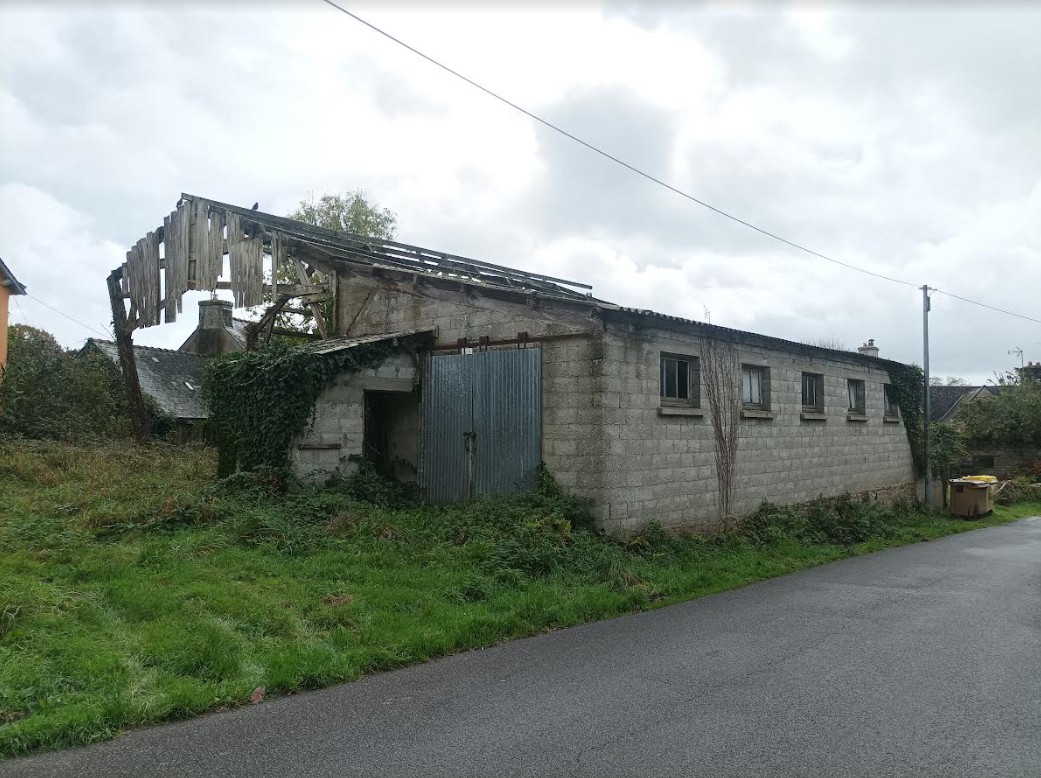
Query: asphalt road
x=924, y=660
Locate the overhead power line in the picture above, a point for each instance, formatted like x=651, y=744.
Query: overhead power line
x=24, y=317
x=989, y=307
x=62, y=313
x=646, y=175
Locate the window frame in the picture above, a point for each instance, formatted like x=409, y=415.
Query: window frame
x=891, y=406
x=861, y=408
x=693, y=398
x=764, y=387
x=818, y=383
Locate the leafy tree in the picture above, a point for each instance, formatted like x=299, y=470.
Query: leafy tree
x=347, y=212
x=48, y=392
x=950, y=380
x=1010, y=419
x=946, y=449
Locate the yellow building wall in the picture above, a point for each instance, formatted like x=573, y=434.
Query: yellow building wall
x=4, y=303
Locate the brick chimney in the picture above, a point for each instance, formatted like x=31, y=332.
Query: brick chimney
x=869, y=349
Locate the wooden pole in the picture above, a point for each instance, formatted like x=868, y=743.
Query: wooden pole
x=125, y=346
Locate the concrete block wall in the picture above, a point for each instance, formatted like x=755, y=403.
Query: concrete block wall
x=663, y=467
x=337, y=430
x=604, y=438
x=571, y=420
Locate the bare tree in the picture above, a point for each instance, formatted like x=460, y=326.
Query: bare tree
x=828, y=342
x=722, y=380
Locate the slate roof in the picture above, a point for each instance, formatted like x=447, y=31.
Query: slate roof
x=7, y=279
x=173, y=379
x=944, y=401
x=237, y=331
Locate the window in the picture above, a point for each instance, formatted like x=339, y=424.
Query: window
x=755, y=386
x=856, y=396
x=892, y=408
x=679, y=380
x=813, y=392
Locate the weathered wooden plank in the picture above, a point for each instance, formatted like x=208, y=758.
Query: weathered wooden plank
x=246, y=261
x=176, y=260
x=144, y=280
x=184, y=231
x=150, y=268
x=133, y=278
x=253, y=290
x=200, y=237
x=235, y=238
x=169, y=282
x=211, y=260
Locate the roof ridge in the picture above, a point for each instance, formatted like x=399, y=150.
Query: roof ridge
x=143, y=347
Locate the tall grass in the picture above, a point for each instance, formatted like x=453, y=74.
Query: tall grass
x=134, y=588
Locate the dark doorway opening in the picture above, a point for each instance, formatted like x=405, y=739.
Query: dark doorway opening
x=391, y=439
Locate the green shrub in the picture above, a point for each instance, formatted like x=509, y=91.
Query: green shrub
x=47, y=392
x=367, y=484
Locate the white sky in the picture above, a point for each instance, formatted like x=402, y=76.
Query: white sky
x=905, y=142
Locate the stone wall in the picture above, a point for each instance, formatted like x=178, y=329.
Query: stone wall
x=1002, y=462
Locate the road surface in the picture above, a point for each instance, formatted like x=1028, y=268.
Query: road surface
x=923, y=660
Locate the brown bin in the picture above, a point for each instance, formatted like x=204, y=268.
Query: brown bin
x=971, y=498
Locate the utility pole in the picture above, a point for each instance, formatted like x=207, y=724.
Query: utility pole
x=925, y=368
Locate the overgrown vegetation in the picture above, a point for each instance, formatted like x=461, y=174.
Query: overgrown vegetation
x=258, y=400
x=1010, y=419
x=947, y=449
x=48, y=392
x=134, y=588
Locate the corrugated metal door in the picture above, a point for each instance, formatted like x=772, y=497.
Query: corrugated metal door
x=445, y=463
x=507, y=421
x=482, y=424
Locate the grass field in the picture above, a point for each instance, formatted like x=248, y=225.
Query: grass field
x=134, y=590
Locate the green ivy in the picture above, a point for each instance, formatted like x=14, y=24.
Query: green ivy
x=907, y=384
x=260, y=400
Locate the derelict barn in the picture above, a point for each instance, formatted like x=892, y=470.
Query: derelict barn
x=652, y=417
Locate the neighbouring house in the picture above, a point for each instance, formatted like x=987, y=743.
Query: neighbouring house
x=173, y=378
x=946, y=402
x=496, y=371
x=9, y=286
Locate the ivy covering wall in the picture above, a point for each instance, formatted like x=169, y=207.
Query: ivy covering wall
x=260, y=400
x=907, y=385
